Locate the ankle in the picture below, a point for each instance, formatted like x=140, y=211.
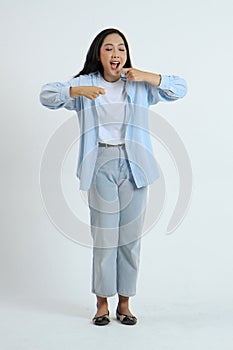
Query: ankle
x=123, y=301
x=101, y=302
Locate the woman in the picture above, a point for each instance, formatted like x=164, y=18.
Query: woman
x=116, y=162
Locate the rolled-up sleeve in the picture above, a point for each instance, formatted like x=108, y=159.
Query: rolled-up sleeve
x=57, y=95
x=171, y=88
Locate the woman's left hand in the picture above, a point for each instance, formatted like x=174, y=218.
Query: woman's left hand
x=134, y=74
x=138, y=75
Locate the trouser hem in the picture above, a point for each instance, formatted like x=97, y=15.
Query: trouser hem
x=124, y=294
x=104, y=295
x=112, y=295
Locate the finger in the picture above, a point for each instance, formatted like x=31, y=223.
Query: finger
x=101, y=91
x=125, y=70
x=94, y=95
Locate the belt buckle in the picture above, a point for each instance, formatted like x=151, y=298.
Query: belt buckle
x=103, y=144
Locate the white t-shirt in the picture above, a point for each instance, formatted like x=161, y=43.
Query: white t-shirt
x=112, y=112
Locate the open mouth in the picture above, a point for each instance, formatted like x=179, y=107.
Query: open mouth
x=114, y=64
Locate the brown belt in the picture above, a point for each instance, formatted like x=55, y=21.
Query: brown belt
x=102, y=144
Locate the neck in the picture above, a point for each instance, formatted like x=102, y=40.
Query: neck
x=111, y=79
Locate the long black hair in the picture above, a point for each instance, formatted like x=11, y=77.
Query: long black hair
x=92, y=63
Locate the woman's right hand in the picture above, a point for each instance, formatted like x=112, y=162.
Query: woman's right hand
x=90, y=92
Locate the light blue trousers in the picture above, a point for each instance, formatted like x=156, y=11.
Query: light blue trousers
x=117, y=211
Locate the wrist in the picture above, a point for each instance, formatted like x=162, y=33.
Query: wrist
x=153, y=78
x=75, y=91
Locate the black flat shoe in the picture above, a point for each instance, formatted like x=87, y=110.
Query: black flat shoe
x=101, y=320
x=125, y=319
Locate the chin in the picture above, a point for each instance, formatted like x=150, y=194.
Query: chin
x=112, y=75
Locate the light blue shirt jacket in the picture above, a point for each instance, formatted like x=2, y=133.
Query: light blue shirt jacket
x=140, y=95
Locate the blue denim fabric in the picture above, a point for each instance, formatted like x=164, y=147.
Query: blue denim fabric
x=117, y=211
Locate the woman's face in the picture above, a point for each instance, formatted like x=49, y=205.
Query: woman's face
x=113, y=56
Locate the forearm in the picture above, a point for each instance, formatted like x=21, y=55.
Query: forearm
x=76, y=91
x=152, y=78
x=89, y=91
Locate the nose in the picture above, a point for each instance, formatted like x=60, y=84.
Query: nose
x=115, y=53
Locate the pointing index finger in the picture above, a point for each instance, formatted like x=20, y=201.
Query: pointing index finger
x=101, y=91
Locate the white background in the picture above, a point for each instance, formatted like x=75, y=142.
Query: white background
x=185, y=288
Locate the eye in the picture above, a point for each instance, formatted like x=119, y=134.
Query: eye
x=108, y=49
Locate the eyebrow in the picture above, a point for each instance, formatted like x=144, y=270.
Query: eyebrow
x=112, y=44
